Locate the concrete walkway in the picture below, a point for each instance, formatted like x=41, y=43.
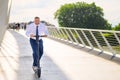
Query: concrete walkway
x=60, y=61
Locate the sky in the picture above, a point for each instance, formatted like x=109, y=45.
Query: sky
x=26, y=10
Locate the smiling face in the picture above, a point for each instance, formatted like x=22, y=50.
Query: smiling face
x=37, y=20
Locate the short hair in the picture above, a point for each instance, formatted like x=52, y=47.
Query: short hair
x=36, y=17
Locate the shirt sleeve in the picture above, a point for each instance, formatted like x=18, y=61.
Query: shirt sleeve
x=46, y=30
x=28, y=31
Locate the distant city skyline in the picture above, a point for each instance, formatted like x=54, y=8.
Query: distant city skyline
x=26, y=10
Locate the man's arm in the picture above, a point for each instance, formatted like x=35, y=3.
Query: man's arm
x=28, y=32
x=45, y=31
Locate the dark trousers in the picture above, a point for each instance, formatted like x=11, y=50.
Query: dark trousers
x=35, y=53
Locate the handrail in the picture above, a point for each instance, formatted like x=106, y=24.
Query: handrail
x=87, y=29
x=103, y=40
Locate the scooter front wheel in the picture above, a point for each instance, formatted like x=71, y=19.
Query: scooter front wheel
x=39, y=72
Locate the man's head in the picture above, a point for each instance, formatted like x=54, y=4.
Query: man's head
x=36, y=20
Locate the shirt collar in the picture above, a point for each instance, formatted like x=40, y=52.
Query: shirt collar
x=36, y=25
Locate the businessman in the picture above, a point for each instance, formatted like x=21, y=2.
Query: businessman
x=33, y=30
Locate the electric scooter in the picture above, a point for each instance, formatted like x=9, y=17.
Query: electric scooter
x=38, y=71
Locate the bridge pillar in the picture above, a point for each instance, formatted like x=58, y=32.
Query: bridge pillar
x=5, y=6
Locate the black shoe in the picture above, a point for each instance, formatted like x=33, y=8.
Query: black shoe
x=35, y=68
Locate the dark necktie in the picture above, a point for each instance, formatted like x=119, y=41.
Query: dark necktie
x=37, y=36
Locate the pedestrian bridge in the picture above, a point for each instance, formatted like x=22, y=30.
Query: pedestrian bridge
x=62, y=60
x=69, y=54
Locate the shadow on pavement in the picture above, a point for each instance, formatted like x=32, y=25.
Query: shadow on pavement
x=18, y=60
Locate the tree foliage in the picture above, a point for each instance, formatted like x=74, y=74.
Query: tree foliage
x=117, y=27
x=81, y=15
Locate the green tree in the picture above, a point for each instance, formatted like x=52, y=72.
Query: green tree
x=117, y=27
x=81, y=15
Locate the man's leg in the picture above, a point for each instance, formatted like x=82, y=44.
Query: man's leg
x=34, y=48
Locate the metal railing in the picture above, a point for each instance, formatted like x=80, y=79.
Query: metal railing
x=103, y=40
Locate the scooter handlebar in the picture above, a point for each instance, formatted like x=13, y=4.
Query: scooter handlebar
x=41, y=36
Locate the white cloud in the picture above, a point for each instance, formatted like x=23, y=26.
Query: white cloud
x=23, y=2
x=25, y=10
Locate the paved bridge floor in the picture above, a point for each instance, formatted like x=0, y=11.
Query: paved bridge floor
x=60, y=61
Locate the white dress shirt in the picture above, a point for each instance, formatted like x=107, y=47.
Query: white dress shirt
x=31, y=29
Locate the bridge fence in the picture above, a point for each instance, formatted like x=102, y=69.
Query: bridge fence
x=103, y=40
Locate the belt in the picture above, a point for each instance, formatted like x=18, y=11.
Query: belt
x=34, y=38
